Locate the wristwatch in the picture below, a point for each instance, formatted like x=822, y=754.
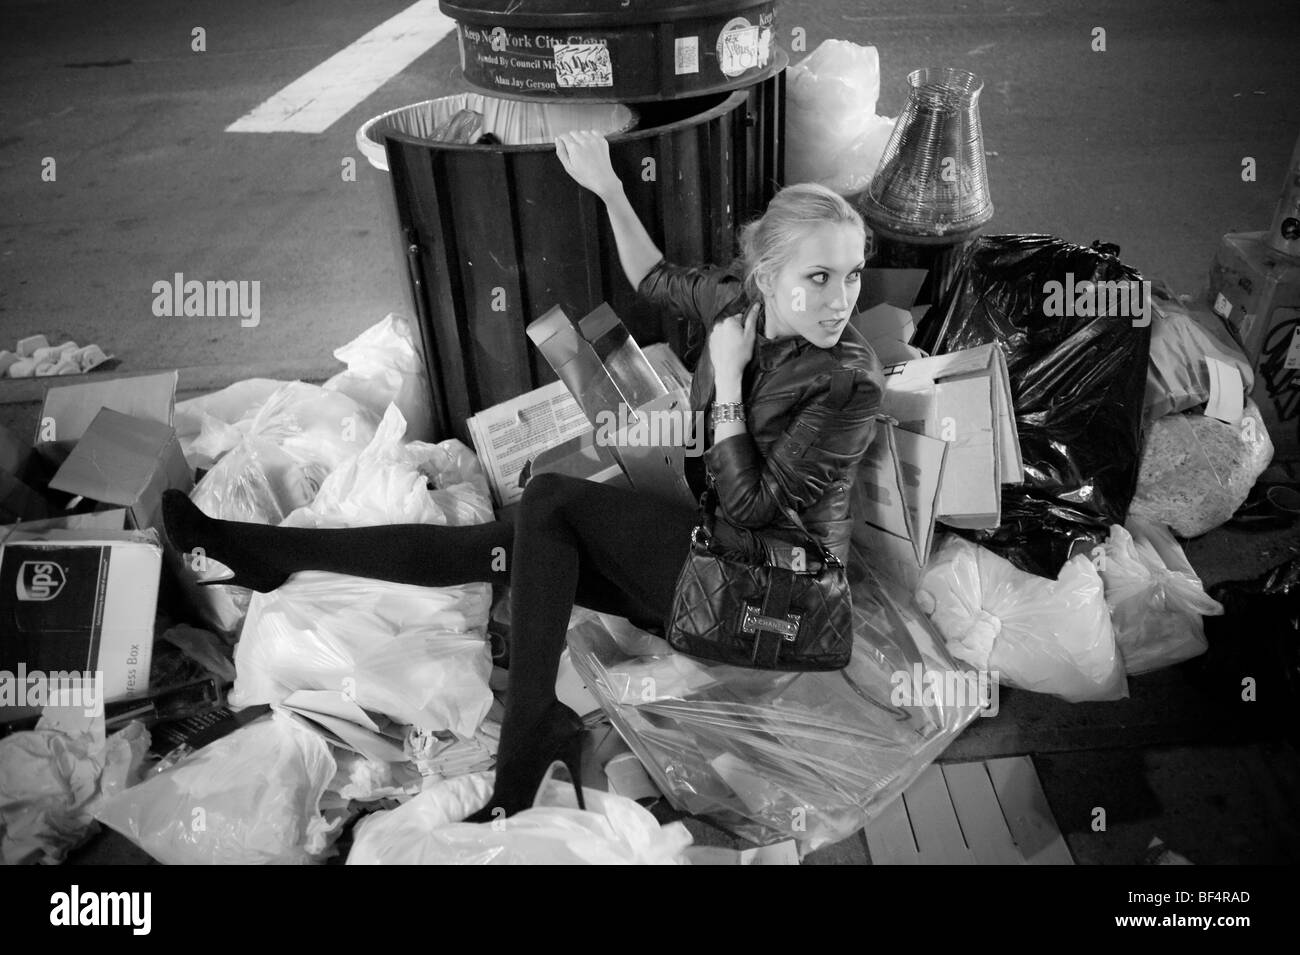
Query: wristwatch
x=728, y=411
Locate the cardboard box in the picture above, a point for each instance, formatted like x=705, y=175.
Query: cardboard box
x=895, y=500
x=14, y=454
x=18, y=502
x=69, y=410
x=601, y=422
x=78, y=601
x=1257, y=293
x=126, y=462
x=963, y=398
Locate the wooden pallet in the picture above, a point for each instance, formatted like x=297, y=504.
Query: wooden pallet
x=979, y=813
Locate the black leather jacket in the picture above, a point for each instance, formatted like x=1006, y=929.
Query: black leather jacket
x=810, y=414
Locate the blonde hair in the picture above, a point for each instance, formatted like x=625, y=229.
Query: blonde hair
x=766, y=243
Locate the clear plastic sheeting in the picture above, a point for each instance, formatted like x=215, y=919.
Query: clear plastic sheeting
x=771, y=756
x=426, y=830
x=416, y=654
x=1156, y=599
x=1182, y=338
x=513, y=122
x=249, y=798
x=1196, y=471
x=1049, y=636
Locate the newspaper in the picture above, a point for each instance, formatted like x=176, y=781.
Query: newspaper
x=507, y=436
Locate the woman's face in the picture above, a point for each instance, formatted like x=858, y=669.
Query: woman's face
x=813, y=294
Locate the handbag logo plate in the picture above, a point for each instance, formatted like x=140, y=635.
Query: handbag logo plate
x=754, y=621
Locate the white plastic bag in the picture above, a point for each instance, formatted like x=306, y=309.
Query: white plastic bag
x=314, y=424
x=1155, y=598
x=1196, y=471
x=51, y=782
x=250, y=798
x=385, y=367
x=258, y=482
x=416, y=654
x=427, y=830
x=1049, y=636
x=833, y=135
x=212, y=417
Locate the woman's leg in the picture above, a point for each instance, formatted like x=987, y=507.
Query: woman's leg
x=620, y=551
x=428, y=555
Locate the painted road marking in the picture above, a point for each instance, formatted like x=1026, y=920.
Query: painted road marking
x=317, y=100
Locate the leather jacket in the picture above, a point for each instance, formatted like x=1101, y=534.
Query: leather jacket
x=810, y=417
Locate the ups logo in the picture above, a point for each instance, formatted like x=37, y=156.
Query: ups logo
x=40, y=580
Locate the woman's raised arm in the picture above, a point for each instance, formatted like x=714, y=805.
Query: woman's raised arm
x=585, y=156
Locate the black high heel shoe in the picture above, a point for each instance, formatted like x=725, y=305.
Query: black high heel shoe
x=519, y=773
x=192, y=532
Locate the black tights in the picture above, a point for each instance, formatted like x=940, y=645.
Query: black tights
x=571, y=541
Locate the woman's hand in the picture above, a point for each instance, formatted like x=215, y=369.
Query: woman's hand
x=585, y=156
x=731, y=345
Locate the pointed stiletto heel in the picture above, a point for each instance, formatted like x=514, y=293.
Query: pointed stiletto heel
x=190, y=530
x=572, y=760
x=521, y=768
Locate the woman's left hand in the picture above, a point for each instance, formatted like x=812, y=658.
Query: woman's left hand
x=731, y=344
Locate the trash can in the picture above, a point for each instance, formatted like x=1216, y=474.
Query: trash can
x=603, y=51
x=512, y=121
x=494, y=235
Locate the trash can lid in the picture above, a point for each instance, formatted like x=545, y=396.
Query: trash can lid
x=555, y=13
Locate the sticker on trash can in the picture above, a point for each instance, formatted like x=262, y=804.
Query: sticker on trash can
x=742, y=46
x=686, y=55
x=583, y=65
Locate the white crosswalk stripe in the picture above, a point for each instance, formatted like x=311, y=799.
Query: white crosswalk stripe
x=318, y=99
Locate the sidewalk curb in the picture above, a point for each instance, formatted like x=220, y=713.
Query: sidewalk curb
x=20, y=399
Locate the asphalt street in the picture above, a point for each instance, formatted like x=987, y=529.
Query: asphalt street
x=1141, y=145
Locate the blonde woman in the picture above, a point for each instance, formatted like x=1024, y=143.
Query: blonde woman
x=790, y=389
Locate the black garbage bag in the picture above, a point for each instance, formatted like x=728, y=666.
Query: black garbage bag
x=1254, y=654
x=1078, y=380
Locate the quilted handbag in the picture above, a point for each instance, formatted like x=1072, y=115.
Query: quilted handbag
x=729, y=609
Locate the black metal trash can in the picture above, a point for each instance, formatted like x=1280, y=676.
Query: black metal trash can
x=496, y=235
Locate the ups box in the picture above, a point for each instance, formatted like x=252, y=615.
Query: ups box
x=79, y=601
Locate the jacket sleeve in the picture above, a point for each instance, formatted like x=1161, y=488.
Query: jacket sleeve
x=696, y=293
x=823, y=442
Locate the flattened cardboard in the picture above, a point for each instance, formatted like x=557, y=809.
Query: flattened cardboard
x=983, y=813
x=964, y=398
x=895, y=500
x=127, y=462
x=581, y=457
x=651, y=468
x=69, y=410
